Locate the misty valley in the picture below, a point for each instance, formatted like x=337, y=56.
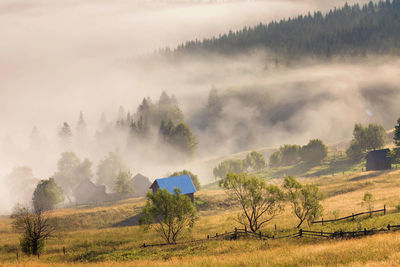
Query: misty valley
x=200, y=133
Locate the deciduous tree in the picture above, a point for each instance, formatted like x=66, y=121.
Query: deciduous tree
x=34, y=227
x=305, y=199
x=314, y=152
x=46, y=195
x=122, y=185
x=169, y=214
x=259, y=202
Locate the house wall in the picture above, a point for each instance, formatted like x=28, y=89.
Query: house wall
x=191, y=196
x=378, y=161
x=154, y=187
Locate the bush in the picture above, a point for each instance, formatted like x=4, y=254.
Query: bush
x=275, y=159
x=254, y=160
x=290, y=154
x=314, y=152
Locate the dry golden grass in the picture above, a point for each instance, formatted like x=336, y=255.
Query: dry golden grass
x=379, y=250
x=103, y=245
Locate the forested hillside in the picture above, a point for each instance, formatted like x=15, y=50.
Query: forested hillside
x=350, y=30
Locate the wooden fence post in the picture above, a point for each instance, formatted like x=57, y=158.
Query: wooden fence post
x=389, y=227
x=260, y=234
x=322, y=233
x=384, y=209
x=235, y=233
x=365, y=231
x=64, y=250
x=216, y=234
x=301, y=232
x=245, y=229
x=144, y=245
x=208, y=236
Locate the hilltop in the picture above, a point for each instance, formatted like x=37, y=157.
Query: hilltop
x=348, y=31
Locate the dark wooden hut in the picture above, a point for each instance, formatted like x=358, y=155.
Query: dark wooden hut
x=378, y=160
x=88, y=192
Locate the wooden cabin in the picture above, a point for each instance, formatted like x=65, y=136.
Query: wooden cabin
x=378, y=160
x=184, y=183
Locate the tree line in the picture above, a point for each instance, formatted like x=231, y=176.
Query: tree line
x=350, y=30
x=312, y=153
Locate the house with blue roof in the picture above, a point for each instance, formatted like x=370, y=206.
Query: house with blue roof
x=184, y=183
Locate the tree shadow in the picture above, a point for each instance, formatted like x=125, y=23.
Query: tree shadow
x=369, y=175
x=131, y=221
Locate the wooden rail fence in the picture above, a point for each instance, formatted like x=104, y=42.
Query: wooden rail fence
x=352, y=216
x=237, y=233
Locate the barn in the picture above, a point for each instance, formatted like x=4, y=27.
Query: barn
x=378, y=160
x=183, y=182
x=87, y=192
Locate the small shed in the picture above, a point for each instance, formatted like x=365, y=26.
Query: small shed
x=378, y=160
x=88, y=192
x=141, y=185
x=183, y=182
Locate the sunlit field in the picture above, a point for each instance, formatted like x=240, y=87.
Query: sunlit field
x=109, y=235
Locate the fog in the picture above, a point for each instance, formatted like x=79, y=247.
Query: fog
x=58, y=58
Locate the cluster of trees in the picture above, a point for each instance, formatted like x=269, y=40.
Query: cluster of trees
x=71, y=170
x=179, y=137
x=312, y=153
x=254, y=161
x=109, y=168
x=162, y=121
x=261, y=202
x=350, y=30
x=167, y=117
x=365, y=138
x=112, y=172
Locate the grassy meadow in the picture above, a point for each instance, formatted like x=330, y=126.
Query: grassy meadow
x=109, y=235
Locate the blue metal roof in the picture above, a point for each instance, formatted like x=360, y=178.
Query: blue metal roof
x=183, y=182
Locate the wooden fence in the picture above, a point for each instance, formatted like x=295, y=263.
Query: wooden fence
x=342, y=234
x=352, y=216
x=243, y=233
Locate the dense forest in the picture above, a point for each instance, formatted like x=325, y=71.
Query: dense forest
x=350, y=30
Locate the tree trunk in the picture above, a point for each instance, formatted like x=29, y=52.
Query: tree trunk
x=301, y=222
